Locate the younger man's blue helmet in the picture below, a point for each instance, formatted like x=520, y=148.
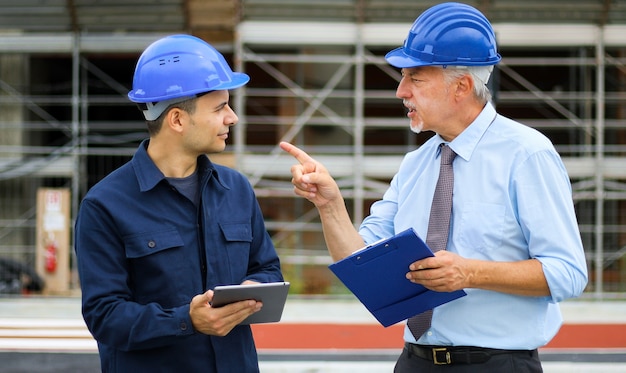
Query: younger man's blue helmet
x=176, y=68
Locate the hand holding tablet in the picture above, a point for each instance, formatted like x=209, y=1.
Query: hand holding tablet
x=273, y=295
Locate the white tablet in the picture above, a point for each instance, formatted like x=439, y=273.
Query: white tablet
x=273, y=295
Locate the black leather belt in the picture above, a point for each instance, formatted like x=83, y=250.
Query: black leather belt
x=445, y=355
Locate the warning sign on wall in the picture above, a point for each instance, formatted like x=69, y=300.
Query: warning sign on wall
x=53, y=239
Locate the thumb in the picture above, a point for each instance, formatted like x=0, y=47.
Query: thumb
x=310, y=167
x=208, y=295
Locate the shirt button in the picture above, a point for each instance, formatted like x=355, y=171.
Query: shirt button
x=430, y=333
x=151, y=244
x=183, y=326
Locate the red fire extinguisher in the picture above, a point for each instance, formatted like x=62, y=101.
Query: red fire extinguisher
x=51, y=256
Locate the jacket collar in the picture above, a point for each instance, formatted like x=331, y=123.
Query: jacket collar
x=149, y=175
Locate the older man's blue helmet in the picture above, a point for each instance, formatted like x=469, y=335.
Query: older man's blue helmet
x=448, y=34
x=179, y=67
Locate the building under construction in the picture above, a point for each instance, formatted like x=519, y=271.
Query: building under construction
x=319, y=80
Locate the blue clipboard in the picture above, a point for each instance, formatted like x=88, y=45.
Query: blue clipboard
x=376, y=275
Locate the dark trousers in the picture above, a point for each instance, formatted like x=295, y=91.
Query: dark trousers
x=516, y=362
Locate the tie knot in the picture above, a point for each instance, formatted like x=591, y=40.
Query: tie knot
x=447, y=154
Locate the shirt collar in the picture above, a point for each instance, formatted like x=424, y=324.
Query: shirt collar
x=149, y=175
x=465, y=143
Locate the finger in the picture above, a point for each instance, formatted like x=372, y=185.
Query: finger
x=417, y=266
x=304, y=193
x=239, y=311
x=247, y=311
x=297, y=170
x=425, y=274
x=201, y=300
x=304, y=182
x=209, y=296
x=426, y=263
x=220, y=321
x=299, y=154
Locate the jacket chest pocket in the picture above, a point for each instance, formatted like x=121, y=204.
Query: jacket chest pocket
x=157, y=260
x=238, y=240
x=150, y=243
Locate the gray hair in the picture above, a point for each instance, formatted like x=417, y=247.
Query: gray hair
x=480, y=75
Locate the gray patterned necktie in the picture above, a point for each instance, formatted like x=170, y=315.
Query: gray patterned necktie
x=438, y=227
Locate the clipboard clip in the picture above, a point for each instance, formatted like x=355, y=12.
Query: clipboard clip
x=368, y=253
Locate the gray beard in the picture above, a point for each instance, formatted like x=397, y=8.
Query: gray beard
x=415, y=129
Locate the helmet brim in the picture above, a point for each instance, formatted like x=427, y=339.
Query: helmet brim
x=237, y=80
x=397, y=58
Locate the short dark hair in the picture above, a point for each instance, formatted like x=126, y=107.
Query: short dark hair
x=154, y=126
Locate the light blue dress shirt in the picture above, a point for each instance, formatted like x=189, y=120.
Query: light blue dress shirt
x=512, y=201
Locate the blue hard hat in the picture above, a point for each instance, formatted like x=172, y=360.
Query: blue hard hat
x=181, y=66
x=448, y=34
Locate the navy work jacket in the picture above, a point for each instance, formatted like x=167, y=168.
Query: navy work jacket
x=144, y=251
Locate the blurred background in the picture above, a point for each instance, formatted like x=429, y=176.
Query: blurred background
x=319, y=80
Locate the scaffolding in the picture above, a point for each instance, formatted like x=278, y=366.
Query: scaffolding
x=321, y=82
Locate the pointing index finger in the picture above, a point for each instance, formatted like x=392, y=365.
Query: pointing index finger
x=299, y=154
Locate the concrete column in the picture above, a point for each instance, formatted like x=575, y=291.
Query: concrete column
x=11, y=109
x=14, y=198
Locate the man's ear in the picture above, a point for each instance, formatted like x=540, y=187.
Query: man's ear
x=464, y=86
x=174, y=119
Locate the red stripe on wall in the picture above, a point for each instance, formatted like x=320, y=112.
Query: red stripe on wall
x=327, y=336
x=590, y=336
x=373, y=336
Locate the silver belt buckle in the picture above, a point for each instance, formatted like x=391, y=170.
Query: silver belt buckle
x=446, y=355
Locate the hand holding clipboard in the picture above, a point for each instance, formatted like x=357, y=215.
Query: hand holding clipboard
x=376, y=275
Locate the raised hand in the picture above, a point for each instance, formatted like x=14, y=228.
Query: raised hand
x=312, y=181
x=310, y=178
